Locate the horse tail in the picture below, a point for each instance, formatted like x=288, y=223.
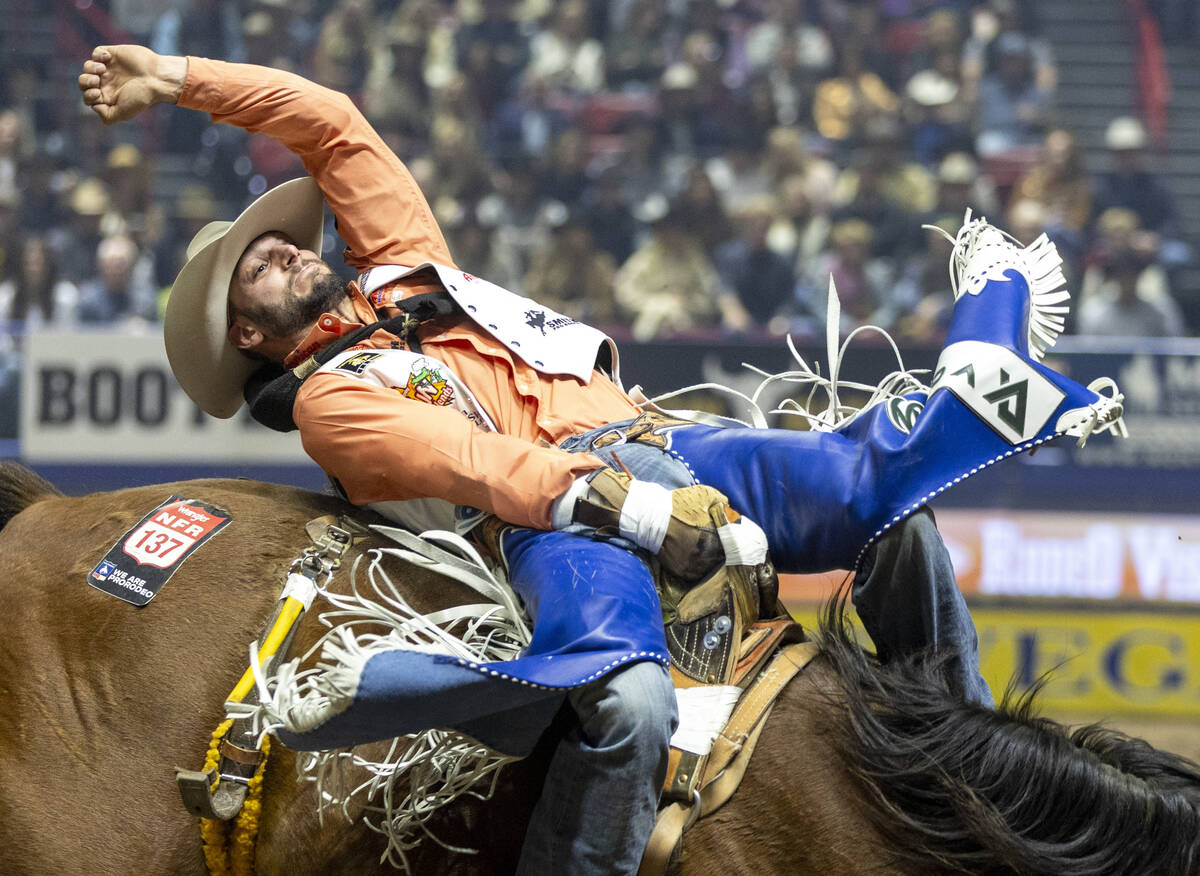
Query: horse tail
x=20, y=488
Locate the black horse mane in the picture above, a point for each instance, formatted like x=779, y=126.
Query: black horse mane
x=20, y=488
x=1001, y=790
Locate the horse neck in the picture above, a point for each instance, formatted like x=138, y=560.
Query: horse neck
x=798, y=810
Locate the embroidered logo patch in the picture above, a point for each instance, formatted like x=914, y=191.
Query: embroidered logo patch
x=428, y=383
x=903, y=413
x=358, y=363
x=1000, y=387
x=139, y=564
x=537, y=319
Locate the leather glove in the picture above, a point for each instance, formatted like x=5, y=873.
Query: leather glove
x=676, y=525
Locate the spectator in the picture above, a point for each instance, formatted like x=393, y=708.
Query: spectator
x=785, y=155
x=937, y=116
x=982, y=51
x=893, y=227
x=522, y=219
x=788, y=26
x=1124, y=281
x=206, y=28
x=1130, y=184
x=1013, y=107
x=801, y=227
x=845, y=102
x=10, y=207
x=526, y=124
x=862, y=279
x=564, y=177
x=33, y=294
x=470, y=237
x=683, y=130
x=669, y=285
x=345, y=46
x=739, y=172
x=761, y=278
x=609, y=218
x=1118, y=307
x=460, y=169
x=194, y=208
x=122, y=291
x=130, y=179
x=1061, y=182
x=641, y=164
x=906, y=184
x=701, y=210
x=565, y=55
x=636, y=54
x=491, y=53
x=714, y=95
x=16, y=141
x=572, y=276
x=962, y=186
x=924, y=286
x=395, y=86
x=90, y=218
x=42, y=178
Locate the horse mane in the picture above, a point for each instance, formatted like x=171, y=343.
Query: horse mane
x=983, y=790
x=20, y=488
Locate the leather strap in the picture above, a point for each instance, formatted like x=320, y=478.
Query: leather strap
x=729, y=758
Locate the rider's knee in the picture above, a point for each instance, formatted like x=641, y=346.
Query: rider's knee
x=632, y=707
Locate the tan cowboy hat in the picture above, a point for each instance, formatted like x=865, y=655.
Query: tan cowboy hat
x=196, y=323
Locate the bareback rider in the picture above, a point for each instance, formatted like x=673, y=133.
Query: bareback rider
x=497, y=404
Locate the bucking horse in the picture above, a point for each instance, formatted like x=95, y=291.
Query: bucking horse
x=862, y=767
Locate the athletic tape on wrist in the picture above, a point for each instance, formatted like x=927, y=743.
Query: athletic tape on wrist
x=564, y=505
x=744, y=542
x=645, y=515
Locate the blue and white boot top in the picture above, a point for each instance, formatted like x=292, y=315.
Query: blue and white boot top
x=1010, y=307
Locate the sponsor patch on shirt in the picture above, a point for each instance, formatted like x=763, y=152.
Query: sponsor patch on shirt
x=139, y=564
x=428, y=382
x=358, y=363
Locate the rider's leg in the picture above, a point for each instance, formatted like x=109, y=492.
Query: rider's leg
x=906, y=595
x=598, y=802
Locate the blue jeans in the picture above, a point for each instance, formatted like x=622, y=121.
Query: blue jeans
x=598, y=803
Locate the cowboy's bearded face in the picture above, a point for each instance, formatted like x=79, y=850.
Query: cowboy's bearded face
x=282, y=290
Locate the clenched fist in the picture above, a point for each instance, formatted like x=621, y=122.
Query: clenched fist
x=118, y=82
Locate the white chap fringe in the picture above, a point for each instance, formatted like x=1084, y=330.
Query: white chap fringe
x=399, y=793
x=983, y=252
x=821, y=406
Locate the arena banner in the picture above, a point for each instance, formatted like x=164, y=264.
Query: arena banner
x=1103, y=661
x=1060, y=555
x=111, y=398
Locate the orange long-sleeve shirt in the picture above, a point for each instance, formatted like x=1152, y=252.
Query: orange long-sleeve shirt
x=379, y=444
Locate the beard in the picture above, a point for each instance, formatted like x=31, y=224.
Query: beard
x=287, y=318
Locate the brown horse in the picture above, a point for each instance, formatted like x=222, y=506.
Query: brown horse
x=862, y=768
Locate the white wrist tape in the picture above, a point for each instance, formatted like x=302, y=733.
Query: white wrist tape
x=645, y=515
x=564, y=506
x=744, y=542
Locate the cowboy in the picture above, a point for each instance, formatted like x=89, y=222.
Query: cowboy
x=474, y=398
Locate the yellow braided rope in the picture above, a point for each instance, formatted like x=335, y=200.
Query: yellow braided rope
x=231, y=852
x=213, y=830
x=245, y=833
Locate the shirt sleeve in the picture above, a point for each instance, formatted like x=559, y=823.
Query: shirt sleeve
x=382, y=214
x=382, y=446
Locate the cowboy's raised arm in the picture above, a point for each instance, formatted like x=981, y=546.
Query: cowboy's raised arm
x=382, y=214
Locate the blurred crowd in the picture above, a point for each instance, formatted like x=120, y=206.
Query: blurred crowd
x=659, y=167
